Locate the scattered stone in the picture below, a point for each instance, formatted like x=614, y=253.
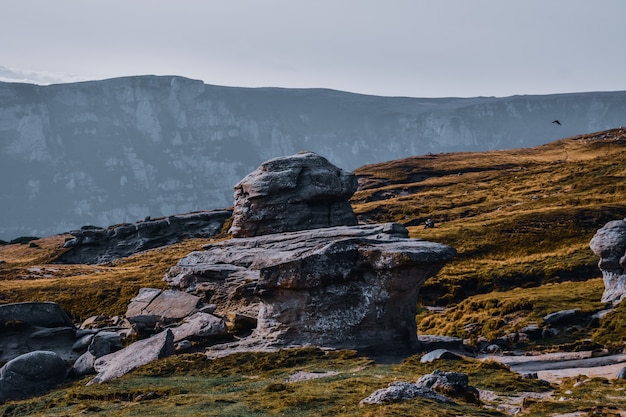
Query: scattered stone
x=560, y=316
x=401, y=391
x=104, y=343
x=440, y=354
x=305, y=376
x=182, y=346
x=31, y=374
x=532, y=331
x=287, y=194
x=493, y=348
x=167, y=307
x=430, y=342
x=133, y=356
x=199, y=325
x=84, y=365
x=609, y=243
x=94, y=245
x=454, y=384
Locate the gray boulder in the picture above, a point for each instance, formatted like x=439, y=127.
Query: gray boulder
x=353, y=287
x=286, y=194
x=609, y=243
x=199, y=325
x=402, y=391
x=84, y=365
x=622, y=373
x=31, y=374
x=140, y=353
x=452, y=384
x=439, y=354
x=560, y=317
x=168, y=306
x=104, y=342
x=43, y=314
x=33, y=326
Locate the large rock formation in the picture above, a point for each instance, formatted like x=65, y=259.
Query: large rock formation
x=309, y=275
x=96, y=245
x=287, y=194
x=609, y=243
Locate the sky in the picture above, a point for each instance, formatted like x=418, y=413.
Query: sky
x=414, y=48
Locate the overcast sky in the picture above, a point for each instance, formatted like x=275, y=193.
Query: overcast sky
x=417, y=48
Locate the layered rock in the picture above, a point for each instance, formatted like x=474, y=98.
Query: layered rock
x=609, y=243
x=353, y=287
x=287, y=194
x=94, y=245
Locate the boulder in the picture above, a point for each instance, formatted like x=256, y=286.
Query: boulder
x=199, y=325
x=84, y=365
x=352, y=287
x=622, y=373
x=133, y=356
x=95, y=245
x=560, y=317
x=31, y=374
x=452, y=384
x=439, y=354
x=402, y=391
x=609, y=243
x=298, y=192
x=104, y=342
x=35, y=326
x=168, y=306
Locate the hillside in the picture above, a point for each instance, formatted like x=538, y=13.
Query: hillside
x=112, y=151
x=521, y=221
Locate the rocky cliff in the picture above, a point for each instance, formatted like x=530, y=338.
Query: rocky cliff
x=113, y=151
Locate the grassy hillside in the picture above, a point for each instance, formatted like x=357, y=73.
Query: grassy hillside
x=521, y=221
x=518, y=218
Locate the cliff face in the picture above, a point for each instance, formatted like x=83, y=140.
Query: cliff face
x=112, y=151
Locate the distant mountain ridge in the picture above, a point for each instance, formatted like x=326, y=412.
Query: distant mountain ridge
x=113, y=151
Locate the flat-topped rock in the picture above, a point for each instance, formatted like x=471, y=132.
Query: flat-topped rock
x=298, y=192
x=352, y=287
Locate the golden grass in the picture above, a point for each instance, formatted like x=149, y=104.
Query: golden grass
x=519, y=217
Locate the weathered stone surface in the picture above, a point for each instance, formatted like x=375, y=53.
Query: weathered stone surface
x=31, y=374
x=401, y=391
x=609, y=243
x=439, y=354
x=44, y=314
x=453, y=384
x=199, y=325
x=342, y=286
x=104, y=343
x=133, y=356
x=93, y=245
x=167, y=306
x=84, y=365
x=560, y=317
x=27, y=327
x=299, y=192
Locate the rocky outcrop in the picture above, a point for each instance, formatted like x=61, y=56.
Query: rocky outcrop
x=27, y=327
x=298, y=192
x=353, y=287
x=94, y=245
x=609, y=243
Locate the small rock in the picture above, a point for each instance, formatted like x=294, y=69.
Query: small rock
x=84, y=365
x=439, y=354
x=622, y=373
x=560, y=316
x=104, y=343
x=399, y=391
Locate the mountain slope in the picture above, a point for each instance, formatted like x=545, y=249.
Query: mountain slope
x=118, y=150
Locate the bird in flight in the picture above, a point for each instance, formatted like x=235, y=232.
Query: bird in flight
x=557, y=122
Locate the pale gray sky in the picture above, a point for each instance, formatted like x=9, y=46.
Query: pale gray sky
x=418, y=48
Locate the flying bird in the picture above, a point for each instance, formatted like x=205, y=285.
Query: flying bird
x=557, y=122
